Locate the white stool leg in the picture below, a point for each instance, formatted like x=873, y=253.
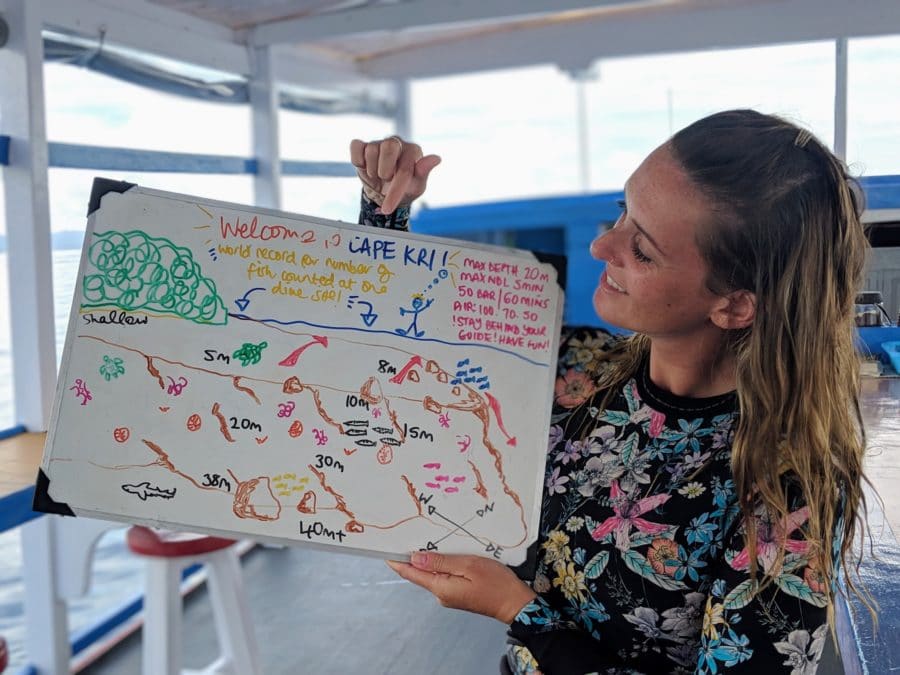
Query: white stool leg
x=162, y=617
x=234, y=625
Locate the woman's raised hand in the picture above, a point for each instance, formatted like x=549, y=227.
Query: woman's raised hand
x=468, y=582
x=393, y=171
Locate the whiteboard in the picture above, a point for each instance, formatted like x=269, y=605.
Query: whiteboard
x=249, y=372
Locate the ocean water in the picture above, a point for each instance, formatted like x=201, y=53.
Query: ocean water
x=65, y=269
x=117, y=575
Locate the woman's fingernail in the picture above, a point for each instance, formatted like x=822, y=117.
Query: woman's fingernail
x=420, y=559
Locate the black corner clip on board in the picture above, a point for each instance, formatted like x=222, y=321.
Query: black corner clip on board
x=43, y=502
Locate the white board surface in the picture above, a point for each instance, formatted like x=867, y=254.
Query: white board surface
x=254, y=373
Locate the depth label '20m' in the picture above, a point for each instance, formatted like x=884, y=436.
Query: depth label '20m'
x=244, y=423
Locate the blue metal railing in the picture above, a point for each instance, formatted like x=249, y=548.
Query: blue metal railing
x=12, y=431
x=76, y=156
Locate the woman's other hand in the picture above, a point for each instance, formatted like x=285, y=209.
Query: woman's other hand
x=393, y=171
x=468, y=582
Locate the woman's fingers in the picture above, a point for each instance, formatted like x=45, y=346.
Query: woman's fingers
x=410, y=177
x=389, y=152
x=357, y=153
x=468, y=582
x=425, y=165
x=393, y=169
x=426, y=580
x=371, y=153
x=400, y=188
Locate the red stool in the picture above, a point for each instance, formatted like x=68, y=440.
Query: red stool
x=166, y=555
x=4, y=655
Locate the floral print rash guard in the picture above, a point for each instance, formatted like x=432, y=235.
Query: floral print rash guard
x=641, y=564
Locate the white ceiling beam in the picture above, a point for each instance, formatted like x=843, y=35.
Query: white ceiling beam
x=146, y=27
x=308, y=68
x=663, y=29
x=418, y=15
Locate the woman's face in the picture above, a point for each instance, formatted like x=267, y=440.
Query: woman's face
x=654, y=281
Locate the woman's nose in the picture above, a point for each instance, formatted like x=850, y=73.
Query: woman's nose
x=603, y=247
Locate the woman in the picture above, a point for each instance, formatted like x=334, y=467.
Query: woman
x=703, y=475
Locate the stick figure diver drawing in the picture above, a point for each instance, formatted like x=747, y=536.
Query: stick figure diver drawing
x=418, y=306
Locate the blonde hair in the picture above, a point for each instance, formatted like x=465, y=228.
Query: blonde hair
x=786, y=227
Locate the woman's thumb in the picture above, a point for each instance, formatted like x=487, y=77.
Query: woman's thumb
x=430, y=562
x=425, y=165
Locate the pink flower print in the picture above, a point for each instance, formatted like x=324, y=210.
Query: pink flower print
x=573, y=388
x=769, y=535
x=627, y=512
x=657, y=421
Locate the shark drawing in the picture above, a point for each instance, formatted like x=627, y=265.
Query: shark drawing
x=144, y=490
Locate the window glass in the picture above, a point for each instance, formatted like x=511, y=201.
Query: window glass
x=94, y=109
x=323, y=197
x=513, y=133
x=327, y=137
x=873, y=128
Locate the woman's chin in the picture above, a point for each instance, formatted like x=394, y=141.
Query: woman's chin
x=609, y=314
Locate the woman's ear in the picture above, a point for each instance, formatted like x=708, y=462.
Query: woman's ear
x=735, y=310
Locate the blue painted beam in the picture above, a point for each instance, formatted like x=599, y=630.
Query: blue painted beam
x=291, y=167
x=4, y=150
x=882, y=192
x=71, y=156
x=74, y=156
x=520, y=214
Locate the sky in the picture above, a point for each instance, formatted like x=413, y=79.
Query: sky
x=501, y=134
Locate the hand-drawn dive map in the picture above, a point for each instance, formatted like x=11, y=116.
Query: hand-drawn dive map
x=250, y=372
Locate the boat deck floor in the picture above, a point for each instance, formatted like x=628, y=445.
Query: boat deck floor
x=321, y=612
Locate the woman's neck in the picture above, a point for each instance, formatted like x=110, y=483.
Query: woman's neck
x=694, y=368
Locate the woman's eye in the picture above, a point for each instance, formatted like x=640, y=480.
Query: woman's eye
x=638, y=253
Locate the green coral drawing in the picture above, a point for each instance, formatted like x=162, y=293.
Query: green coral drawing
x=249, y=353
x=134, y=271
x=111, y=368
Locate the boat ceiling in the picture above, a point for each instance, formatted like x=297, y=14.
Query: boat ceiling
x=408, y=38
x=327, y=43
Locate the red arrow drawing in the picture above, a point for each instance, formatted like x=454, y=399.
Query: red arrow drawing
x=399, y=377
x=291, y=359
x=495, y=406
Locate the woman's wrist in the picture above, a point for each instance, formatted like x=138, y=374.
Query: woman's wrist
x=370, y=214
x=373, y=194
x=522, y=598
x=378, y=198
